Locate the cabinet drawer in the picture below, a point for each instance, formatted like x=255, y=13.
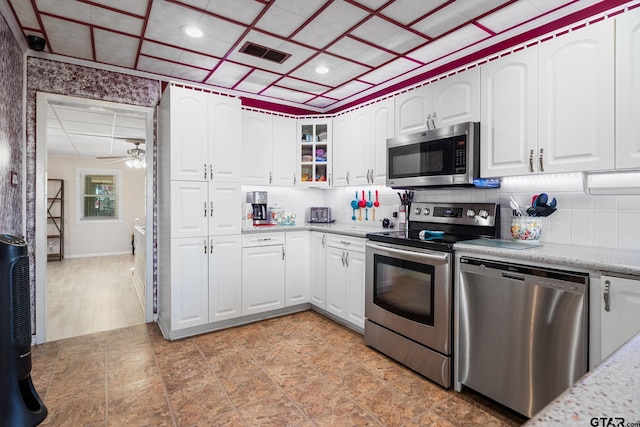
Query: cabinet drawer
x=346, y=242
x=262, y=239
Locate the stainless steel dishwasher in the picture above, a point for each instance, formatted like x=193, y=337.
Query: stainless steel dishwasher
x=522, y=332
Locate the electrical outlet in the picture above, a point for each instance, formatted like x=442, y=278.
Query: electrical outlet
x=14, y=179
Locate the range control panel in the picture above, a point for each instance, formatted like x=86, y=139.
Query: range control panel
x=481, y=214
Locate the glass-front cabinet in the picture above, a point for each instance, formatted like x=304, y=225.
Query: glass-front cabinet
x=314, y=152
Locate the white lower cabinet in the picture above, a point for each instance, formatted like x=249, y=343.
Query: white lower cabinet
x=344, y=289
x=619, y=313
x=225, y=279
x=263, y=272
x=318, y=269
x=297, y=268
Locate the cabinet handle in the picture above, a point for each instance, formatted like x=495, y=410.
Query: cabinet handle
x=531, y=161
x=324, y=239
x=329, y=179
x=211, y=171
x=283, y=253
x=294, y=178
x=205, y=209
x=211, y=246
x=370, y=176
x=205, y=246
x=211, y=209
x=205, y=171
x=265, y=239
x=347, y=177
x=270, y=177
x=344, y=242
x=607, y=296
x=540, y=159
x=346, y=259
x=343, y=258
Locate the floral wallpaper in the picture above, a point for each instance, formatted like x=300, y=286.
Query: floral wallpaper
x=11, y=147
x=74, y=80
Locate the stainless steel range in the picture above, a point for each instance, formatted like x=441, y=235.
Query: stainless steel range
x=409, y=283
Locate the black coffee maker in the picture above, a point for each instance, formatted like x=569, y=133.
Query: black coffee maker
x=258, y=200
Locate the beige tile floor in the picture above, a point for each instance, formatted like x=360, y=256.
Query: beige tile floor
x=88, y=295
x=296, y=370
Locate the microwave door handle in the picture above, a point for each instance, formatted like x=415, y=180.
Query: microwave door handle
x=440, y=258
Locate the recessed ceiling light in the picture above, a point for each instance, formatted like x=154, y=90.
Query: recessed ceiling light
x=192, y=31
x=322, y=69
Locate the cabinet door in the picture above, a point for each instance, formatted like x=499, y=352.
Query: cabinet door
x=382, y=128
x=297, y=268
x=355, y=288
x=317, y=269
x=189, y=209
x=456, y=99
x=335, y=292
x=284, y=151
x=628, y=90
x=509, y=122
x=225, y=145
x=359, y=146
x=621, y=320
x=341, y=150
x=225, y=277
x=225, y=208
x=189, y=134
x=189, y=283
x=576, y=100
x=262, y=279
x=256, y=148
x=412, y=109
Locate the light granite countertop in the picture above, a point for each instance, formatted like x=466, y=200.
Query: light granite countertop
x=585, y=257
x=354, y=230
x=610, y=391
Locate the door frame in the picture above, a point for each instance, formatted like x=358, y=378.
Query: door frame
x=42, y=101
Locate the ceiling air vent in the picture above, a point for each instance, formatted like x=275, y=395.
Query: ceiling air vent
x=264, y=52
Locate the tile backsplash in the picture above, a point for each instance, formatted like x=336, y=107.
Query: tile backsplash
x=581, y=219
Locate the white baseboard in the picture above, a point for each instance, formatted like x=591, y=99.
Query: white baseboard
x=100, y=254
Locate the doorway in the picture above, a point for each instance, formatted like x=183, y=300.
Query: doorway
x=100, y=139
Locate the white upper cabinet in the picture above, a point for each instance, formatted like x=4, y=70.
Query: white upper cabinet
x=284, y=151
x=576, y=100
x=314, y=152
x=628, y=90
x=225, y=208
x=382, y=128
x=341, y=150
x=359, y=144
x=454, y=99
x=204, y=135
x=257, y=148
x=509, y=118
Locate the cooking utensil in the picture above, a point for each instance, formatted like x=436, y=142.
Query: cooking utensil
x=362, y=202
x=353, y=218
x=354, y=202
x=366, y=214
x=376, y=203
x=373, y=214
x=533, y=200
x=369, y=202
x=515, y=206
x=359, y=214
x=553, y=203
x=542, y=199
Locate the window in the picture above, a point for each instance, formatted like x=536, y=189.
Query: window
x=99, y=193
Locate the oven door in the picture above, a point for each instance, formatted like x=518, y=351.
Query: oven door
x=409, y=292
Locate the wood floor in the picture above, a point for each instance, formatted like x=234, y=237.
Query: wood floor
x=88, y=295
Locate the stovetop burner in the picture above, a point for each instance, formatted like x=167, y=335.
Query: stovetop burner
x=439, y=226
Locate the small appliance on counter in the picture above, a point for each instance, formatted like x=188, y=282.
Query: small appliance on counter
x=320, y=215
x=258, y=200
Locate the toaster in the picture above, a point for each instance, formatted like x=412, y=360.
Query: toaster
x=320, y=215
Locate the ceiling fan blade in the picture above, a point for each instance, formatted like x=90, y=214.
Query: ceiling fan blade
x=118, y=161
x=111, y=157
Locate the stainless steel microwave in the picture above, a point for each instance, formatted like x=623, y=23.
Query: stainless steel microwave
x=446, y=156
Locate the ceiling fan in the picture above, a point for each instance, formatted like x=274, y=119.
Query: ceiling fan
x=135, y=157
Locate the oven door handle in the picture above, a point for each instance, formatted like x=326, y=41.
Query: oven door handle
x=441, y=258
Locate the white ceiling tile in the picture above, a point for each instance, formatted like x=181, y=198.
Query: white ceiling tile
x=389, y=71
x=304, y=86
x=154, y=65
x=244, y=11
x=228, y=74
x=360, y=52
x=112, y=48
x=137, y=7
x=280, y=21
x=448, y=44
x=383, y=33
x=286, y=94
x=189, y=73
x=304, y=8
x=196, y=60
x=341, y=70
x=116, y=21
x=547, y=5
x=372, y=4
x=510, y=16
x=68, y=38
x=257, y=81
x=334, y=21
x=407, y=11
x=178, y=55
x=347, y=90
x=26, y=15
x=473, y=8
x=321, y=102
x=67, y=8
x=440, y=22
